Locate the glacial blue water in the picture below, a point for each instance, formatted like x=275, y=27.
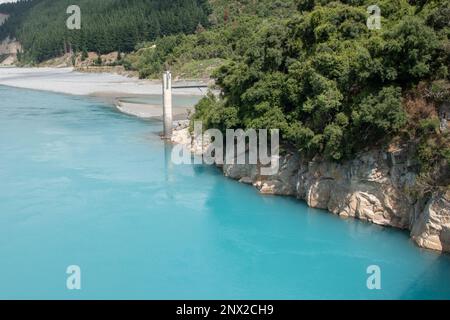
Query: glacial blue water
x=81, y=184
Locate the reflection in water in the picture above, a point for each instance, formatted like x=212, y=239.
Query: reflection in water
x=168, y=164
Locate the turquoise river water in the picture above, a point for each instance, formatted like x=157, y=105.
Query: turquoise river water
x=81, y=184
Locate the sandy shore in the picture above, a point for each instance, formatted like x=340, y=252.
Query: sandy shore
x=108, y=87
x=150, y=111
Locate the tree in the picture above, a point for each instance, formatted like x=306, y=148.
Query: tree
x=329, y=84
x=108, y=25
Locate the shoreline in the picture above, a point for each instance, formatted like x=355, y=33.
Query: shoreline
x=150, y=111
x=369, y=188
x=109, y=88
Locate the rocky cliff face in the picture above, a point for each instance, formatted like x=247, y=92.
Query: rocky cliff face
x=431, y=228
x=9, y=48
x=3, y=18
x=375, y=186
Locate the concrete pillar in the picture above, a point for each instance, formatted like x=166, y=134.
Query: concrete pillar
x=167, y=105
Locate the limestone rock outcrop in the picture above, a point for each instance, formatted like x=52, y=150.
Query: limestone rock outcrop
x=375, y=186
x=432, y=227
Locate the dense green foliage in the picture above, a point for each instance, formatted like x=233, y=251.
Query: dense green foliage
x=107, y=25
x=332, y=86
x=311, y=68
x=232, y=26
x=17, y=12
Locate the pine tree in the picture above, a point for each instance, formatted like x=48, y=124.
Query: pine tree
x=108, y=25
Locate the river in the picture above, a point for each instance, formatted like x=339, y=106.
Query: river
x=82, y=184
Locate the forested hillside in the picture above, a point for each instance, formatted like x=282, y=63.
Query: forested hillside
x=16, y=11
x=232, y=26
x=192, y=36
x=107, y=25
